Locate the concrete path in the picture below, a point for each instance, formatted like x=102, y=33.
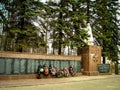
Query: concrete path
x=107, y=82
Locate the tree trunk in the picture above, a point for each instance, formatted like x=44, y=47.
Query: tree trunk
x=116, y=68
x=60, y=35
x=88, y=12
x=104, y=60
x=60, y=44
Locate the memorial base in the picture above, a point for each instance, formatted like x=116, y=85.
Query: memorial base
x=91, y=57
x=91, y=73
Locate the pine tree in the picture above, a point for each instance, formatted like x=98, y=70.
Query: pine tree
x=19, y=27
x=67, y=22
x=58, y=23
x=78, y=17
x=105, y=26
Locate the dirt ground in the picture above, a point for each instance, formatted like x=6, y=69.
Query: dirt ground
x=102, y=82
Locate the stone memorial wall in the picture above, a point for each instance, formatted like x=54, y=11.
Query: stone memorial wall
x=18, y=64
x=22, y=63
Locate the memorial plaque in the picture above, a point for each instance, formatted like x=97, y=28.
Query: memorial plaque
x=16, y=66
x=103, y=68
x=22, y=66
x=72, y=62
x=57, y=63
x=62, y=65
x=67, y=64
x=32, y=66
x=75, y=66
x=36, y=65
x=51, y=62
x=47, y=63
x=9, y=66
x=41, y=62
x=2, y=66
x=29, y=65
x=54, y=63
x=78, y=66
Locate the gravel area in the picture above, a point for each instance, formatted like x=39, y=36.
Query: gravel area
x=35, y=82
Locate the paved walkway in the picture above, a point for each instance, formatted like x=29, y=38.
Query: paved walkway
x=33, y=82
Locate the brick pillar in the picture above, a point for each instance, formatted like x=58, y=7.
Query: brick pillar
x=91, y=57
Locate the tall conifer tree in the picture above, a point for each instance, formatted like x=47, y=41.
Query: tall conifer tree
x=19, y=28
x=106, y=26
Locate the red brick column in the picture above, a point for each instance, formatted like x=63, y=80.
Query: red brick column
x=91, y=57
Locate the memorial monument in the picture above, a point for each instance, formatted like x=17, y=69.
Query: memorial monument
x=90, y=40
x=91, y=55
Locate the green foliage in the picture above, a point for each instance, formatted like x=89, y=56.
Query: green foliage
x=106, y=26
x=64, y=20
x=19, y=25
x=68, y=18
